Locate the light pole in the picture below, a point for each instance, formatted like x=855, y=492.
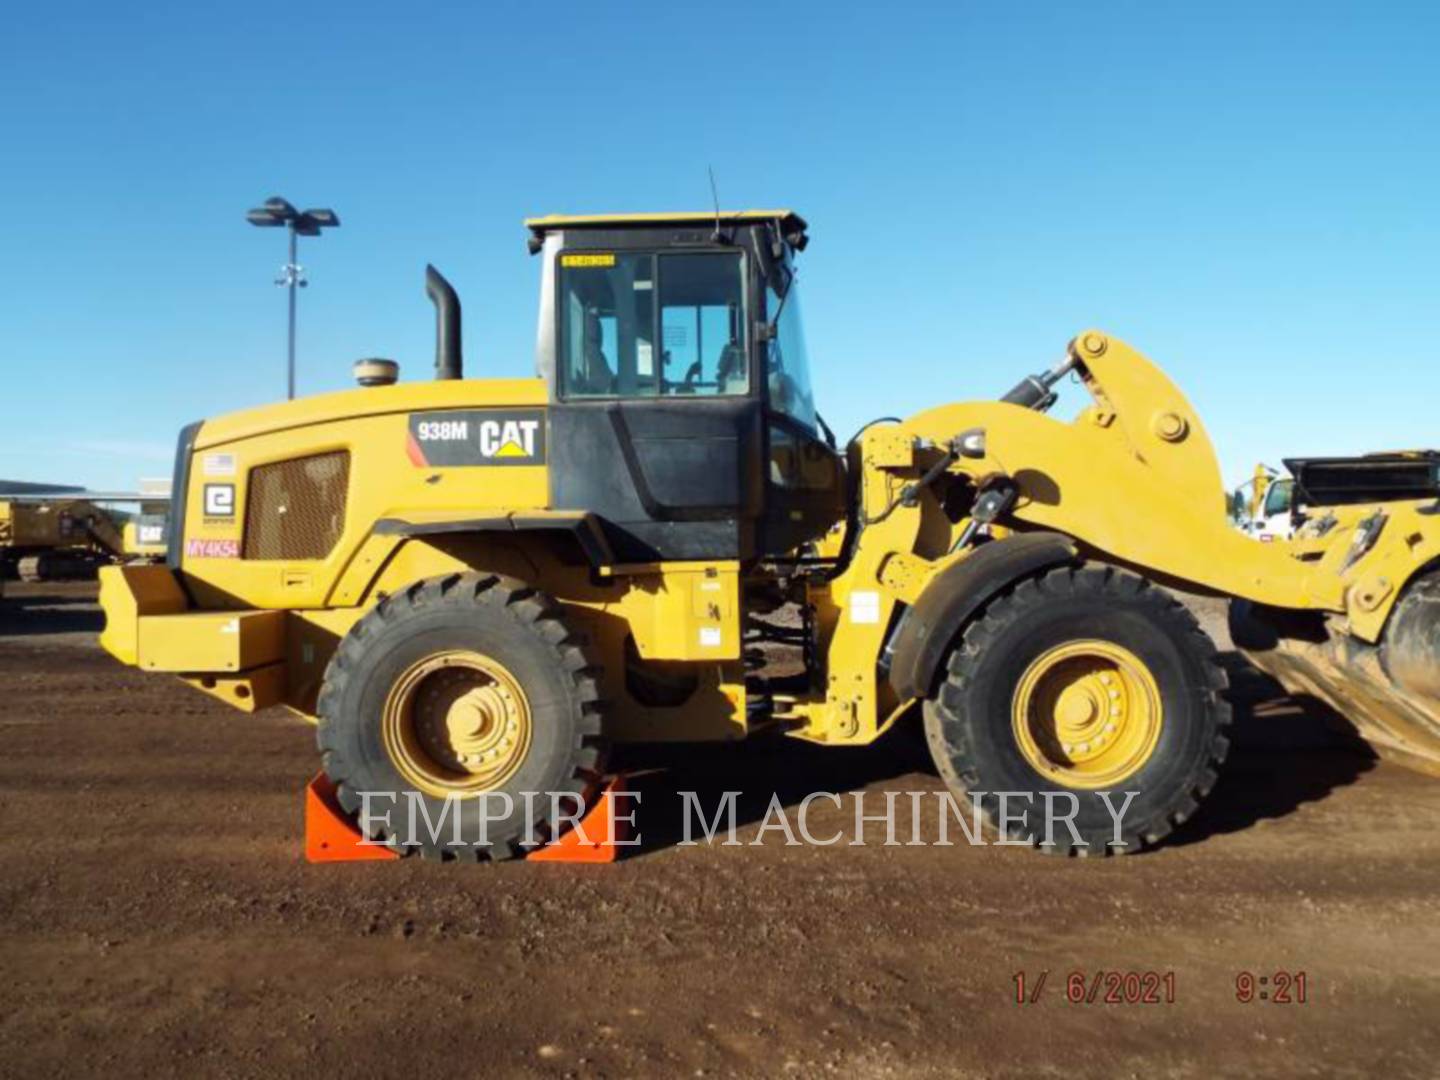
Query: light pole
x=275, y=212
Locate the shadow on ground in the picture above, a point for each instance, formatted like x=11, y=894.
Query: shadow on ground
x=48, y=613
x=1283, y=755
x=1285, y=752
x=756, y=770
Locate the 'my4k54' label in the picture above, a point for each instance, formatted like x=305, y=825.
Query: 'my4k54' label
x=477, y=437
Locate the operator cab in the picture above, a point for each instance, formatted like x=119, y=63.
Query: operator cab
x=681, y=409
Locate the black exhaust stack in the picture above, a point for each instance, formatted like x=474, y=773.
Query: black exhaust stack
x=448, y=362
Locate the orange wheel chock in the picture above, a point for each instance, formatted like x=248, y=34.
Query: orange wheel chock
x=598, y=837
x=330, y=833
x=332, y=836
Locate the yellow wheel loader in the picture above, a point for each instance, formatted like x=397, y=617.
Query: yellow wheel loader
x=475, y=587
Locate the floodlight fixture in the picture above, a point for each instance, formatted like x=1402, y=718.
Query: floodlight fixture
x=271, y=214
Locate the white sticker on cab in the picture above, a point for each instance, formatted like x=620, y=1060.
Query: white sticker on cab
x=219, y=465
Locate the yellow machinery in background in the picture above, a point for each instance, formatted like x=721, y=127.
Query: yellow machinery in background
x=144, y=533
x=474, y=587
x=56, y=538
x=1369, y=522
x=1263, y=506
x=45, y=537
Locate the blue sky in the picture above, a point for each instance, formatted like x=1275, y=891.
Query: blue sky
x=1246, y=192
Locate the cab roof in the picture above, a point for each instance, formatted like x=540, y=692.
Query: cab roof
x=788, y=220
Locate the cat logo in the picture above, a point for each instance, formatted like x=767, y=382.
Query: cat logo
x=508, y=438
x=477, y=437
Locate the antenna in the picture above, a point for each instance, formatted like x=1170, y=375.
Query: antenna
x=715, y=195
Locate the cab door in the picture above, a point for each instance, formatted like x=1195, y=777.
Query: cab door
x=656, y=426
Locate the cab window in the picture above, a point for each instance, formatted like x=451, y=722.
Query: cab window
x=787, y=368
x=652, y=325
x=1277, y=499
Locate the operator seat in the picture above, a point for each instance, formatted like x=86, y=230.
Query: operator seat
x=730, y=374
x=595, y=375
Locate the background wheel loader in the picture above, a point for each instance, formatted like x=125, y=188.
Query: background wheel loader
x=476, y=586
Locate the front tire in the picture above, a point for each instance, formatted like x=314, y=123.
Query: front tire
x=451, y=696
x=1087, y=683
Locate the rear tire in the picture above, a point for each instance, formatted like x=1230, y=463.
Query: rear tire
x=375, y=735
x=1116, y=651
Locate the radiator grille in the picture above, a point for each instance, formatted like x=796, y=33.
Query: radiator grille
x=296, y=509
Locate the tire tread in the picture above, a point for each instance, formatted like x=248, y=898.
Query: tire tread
x=947, y=732
x=540, y=615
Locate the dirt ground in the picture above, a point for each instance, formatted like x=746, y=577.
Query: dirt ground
x=158, y=917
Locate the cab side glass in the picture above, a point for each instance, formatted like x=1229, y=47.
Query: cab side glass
x=644, y=325
x=787, y=368
x=702, y=325
x=798, y=463
x=607, y=327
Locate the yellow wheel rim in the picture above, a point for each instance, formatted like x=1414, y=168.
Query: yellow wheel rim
x=456, y=723
x=1087, y=714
